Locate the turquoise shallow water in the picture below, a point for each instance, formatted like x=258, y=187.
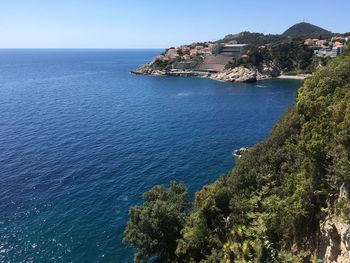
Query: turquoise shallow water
x=81, y=139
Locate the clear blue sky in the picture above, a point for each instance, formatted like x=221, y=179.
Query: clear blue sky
x=154, y=23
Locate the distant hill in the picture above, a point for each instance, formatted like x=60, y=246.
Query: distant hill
x=306, y=30
x=300, y=30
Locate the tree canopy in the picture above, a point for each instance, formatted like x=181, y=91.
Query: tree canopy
x=155, y=226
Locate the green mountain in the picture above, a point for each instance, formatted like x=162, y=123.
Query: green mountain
x=285, y=201
x=298, y=30
x=306, y=30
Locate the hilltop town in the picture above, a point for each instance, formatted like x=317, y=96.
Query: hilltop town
x=247, y=57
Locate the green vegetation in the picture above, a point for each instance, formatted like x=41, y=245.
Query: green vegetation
x=269, y=207
x=253, y=38
x=306, y=30
x=286, y=56
x=155, y=226
x=161, y=65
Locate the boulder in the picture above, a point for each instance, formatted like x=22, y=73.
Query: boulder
x=238, y=74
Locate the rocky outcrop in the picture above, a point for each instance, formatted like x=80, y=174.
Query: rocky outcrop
x=269, y=70
x=148, y=70
x=335, y=241
x=239, y=152
x=238, y=74
x=243, y=74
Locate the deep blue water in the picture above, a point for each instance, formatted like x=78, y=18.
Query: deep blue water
x=81, y=139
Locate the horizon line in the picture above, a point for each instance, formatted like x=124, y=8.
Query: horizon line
x=80, y=48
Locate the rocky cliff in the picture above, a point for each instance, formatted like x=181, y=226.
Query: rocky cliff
x=335, y=241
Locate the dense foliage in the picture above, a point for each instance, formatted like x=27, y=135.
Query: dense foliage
x=161, y=65
x=155, y=226
x=269, y=207
x=286, y=56
x=253, y=38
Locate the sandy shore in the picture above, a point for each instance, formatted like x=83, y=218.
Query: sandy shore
x=294, y=76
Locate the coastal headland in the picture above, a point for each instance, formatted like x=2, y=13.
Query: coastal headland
x=249, y=57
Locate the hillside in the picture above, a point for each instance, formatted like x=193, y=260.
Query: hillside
x=306, y=30
x=285, y=201
x=252, y=38
x=289, y=56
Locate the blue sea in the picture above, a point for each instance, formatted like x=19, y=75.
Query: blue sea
x=81, y=139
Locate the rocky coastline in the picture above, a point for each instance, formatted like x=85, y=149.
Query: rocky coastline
x=148, y=70
x=238, y=74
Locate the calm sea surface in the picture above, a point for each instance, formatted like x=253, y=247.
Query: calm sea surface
x=81, y=139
